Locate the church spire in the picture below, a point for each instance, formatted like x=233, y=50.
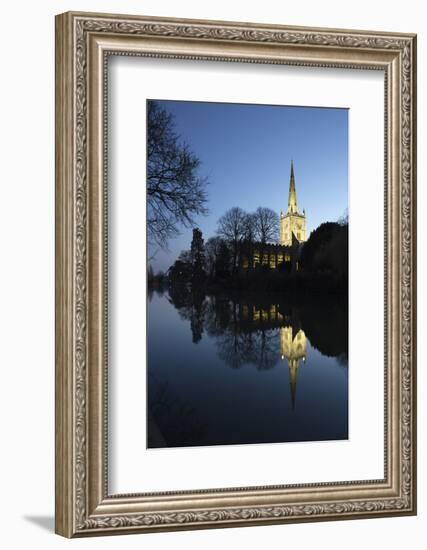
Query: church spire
x=292, y=200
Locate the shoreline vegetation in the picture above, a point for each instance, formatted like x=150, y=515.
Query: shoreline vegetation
x=321, y=267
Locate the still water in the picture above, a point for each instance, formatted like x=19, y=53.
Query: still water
x=236, y=369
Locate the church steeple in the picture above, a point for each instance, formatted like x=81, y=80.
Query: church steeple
x=292, y=224
x=292, y=200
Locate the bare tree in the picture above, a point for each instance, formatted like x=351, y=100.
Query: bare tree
x=266, y=224
x=212, y=249
x=248, y=246
x=232, y=228
x=250, y=228
x=343, y=220
x=176, y=194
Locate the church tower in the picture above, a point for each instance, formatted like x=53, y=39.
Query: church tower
x=292, y=224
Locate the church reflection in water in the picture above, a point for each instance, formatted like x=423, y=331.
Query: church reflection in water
x=292, y=339
x=266, y=332
x=293, y=348
x=193, y=401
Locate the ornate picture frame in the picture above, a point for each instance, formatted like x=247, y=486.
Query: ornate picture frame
x=84, y=42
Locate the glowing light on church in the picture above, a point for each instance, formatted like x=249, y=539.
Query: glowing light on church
x=293, y=223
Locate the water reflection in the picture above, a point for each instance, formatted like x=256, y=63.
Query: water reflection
x=293, y=349
x=272, y=334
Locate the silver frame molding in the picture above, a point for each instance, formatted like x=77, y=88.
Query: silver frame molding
x=83, y=43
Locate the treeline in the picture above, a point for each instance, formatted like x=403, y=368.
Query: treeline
x=219, y=258
x=322, y=260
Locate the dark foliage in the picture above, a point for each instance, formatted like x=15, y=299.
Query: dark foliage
x=326, y=251
x=197, y=257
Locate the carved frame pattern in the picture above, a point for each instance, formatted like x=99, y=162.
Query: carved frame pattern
x=84, y=508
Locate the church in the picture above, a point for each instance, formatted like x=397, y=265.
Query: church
x=293, y=233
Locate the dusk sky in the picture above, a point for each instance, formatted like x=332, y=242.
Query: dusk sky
x=246, y=152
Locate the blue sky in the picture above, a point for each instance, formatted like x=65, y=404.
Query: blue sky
x=246, y=152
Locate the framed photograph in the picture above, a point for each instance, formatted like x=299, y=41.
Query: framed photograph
x=235, y=274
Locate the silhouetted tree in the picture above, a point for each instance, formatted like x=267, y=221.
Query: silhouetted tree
x=180, y=272
x=266, y=225
x=175, y=191
x=343, y=220
x=326, y=252
x=185, y=256
x=197, y=253
x=232, y=227
x=247, y=246
x=249, y=228
x=222, y=266
x=212, y=249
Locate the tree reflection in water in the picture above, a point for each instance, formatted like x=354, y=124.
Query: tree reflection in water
x=264, y=331
x=259, y=330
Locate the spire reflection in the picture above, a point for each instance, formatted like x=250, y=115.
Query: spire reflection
x=293, y=347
